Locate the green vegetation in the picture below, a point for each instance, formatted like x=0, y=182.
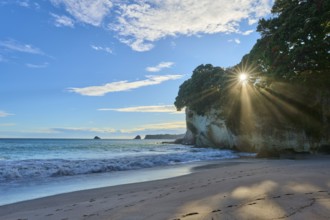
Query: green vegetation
x=289, y=67
x=295, y=42
x=294, y=47
x=202, y=90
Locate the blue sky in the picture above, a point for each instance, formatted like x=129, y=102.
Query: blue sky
x=112, y=68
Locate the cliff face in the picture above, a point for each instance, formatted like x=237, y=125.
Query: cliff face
x=263, y=124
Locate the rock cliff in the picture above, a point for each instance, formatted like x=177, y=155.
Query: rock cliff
x=264, y=122
x=277, y=98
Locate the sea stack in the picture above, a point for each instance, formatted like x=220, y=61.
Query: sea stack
x=138, y=137
x=97, y=138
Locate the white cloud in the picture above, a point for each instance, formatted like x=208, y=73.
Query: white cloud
x=96, y=130
x=4, y=114
x=19, y=47
x=23, y=3
x=252, y=21
x=87, y=11
x=145, y=109
x=248, y=32
x=160, y=66
x=147, y=127
x=236, y=40
x=137, y=44
x=141, y=23
x=160, y=126
x=37, y=66
x=123, y=85
x=63, y=21
x=99, y=48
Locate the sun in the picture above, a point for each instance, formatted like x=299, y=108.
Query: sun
x=243, y=77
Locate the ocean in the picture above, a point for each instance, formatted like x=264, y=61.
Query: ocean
x=34, y=168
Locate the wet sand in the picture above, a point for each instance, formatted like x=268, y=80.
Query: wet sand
x=236, y=189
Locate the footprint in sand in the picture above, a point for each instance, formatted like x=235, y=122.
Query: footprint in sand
x=89, y=215
x=190, y=214
x=289, y=194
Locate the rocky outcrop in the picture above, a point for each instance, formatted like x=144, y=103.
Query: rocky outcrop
x=96, y=138
x=138, y=137
x=163, y=136
x=265, y=124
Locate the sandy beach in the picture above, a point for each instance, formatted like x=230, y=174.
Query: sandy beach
x=233, y=189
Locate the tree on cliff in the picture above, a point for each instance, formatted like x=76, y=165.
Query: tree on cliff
x=295, y=42
x=202, y=89
x=291, y=73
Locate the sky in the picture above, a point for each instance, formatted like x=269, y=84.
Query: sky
x=112, y=68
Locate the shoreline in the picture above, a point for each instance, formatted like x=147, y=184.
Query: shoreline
x=52, y=187
x=235, y=189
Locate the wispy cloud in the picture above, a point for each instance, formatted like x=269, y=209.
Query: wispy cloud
x=87, y=11
x=99, y=48
x=141, y=23
x=62, y=21
x=24, y=3
x=4, y=114
x=236, y=40
x=95, y=130
x=248, y=32
x=176, y=125
x=145, y=109
x=161, y=126
x=37, y=66
x=123, y=85
x=160, y=66
x=13, y=45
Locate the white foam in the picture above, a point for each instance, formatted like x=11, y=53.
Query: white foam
x=47, y=168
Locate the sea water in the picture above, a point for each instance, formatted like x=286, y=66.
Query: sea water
x=33, y=168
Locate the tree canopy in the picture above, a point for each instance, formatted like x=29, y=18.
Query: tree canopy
x=295, y=41
x=202, y=89
x=294, y=46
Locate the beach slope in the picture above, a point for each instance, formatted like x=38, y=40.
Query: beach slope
x=236, y=189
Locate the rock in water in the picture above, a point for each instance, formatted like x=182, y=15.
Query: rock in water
x=138, y=137
x=97, y=138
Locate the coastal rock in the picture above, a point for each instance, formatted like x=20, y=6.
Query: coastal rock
x=264, y=130
x=164, y=136
x=138, y=137
x=96, y=138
